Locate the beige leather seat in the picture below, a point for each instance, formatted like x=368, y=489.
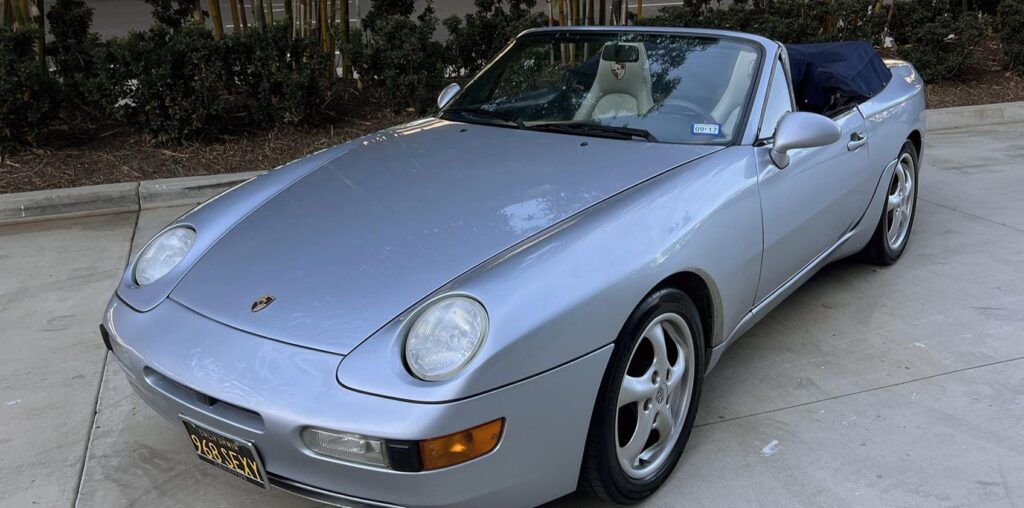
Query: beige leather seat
x=728, y=109
x=620, y=88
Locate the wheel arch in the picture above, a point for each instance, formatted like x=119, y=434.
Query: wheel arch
x=702, y=290
x=917, y=140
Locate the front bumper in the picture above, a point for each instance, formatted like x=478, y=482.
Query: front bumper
x=264, y=391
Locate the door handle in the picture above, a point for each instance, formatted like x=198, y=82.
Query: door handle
x=857, y=140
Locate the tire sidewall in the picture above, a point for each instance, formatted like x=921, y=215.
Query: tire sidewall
x=625, y=489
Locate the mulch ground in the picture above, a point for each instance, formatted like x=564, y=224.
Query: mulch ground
x=123, y=156
x=984, y=83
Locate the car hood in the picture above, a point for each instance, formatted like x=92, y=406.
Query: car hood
x=349, y=246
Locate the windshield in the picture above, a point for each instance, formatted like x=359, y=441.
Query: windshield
x=662, y=87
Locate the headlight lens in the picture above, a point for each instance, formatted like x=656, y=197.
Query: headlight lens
x=445, y=337
x=163, y=254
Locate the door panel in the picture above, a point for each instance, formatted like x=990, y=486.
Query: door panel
x=812, y=203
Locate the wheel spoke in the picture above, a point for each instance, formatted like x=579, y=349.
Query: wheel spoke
x=892, y=203
x=656, y=334
x=635, y=446
x=676, y=373
x=636, y=390
x=664, y=423
x=894, y=230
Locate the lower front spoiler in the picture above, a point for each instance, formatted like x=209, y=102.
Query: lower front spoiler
x=324, y=496
x=266, y=392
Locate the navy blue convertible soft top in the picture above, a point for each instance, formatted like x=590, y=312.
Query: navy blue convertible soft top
x=831, y=77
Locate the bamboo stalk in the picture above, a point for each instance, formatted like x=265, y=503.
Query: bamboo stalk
x=8, y=13
x=639, y=9
x=561, y=12
x=346, y=69
x=42, y=37
x=235, y=28
x=323, y=25
x=603, y=12
x=307, y=18
x=218, y=25
x=270, y=12
x=241, y=12
x=259, y=14
x=590, y=12
x=197, y=11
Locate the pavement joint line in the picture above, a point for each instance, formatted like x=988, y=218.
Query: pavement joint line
x=867, y=390
x=92, y=428
x=103, y=367
x=969, y=214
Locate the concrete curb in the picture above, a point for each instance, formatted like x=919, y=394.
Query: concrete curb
x=135, y=196
x=114, y=198
x=974, y=116
x=190, y=190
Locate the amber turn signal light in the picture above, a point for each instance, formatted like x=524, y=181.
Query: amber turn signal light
x=461, y=446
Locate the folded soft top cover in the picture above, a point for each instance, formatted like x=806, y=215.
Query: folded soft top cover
x=831, y=77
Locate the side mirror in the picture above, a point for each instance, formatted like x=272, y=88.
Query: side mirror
x=802, y=130
x=447, y=93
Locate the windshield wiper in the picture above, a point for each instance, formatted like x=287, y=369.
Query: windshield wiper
x=583, y=128
x=484, y=113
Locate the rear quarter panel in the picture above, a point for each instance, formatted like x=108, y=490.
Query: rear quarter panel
x=894, y=113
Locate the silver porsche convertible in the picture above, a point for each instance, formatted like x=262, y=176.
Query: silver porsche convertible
x=522, y=294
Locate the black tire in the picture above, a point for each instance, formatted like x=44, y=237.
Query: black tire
x=602, y=475
x=878, y=250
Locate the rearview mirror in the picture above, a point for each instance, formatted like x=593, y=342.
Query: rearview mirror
x=802, y=130
x=447, y=94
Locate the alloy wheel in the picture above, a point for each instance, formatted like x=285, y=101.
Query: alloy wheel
x=654, y=396
x=899, y=206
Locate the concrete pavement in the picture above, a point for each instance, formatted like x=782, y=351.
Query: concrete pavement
x=899, y=386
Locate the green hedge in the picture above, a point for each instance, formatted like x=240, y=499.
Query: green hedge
x=185, y=84
x=476, y=38
x=396, y=54
x=177, y=82
x=921, y=29
x=174, y=83
x=1011, y=16
x=28, y=97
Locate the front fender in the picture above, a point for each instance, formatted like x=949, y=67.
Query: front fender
x=568, y=291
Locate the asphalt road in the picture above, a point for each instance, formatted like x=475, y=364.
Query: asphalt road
x=898, y=386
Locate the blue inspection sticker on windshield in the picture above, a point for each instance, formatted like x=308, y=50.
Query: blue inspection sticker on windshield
x=706, y=129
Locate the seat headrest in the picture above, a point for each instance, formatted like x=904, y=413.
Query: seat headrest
x=621, y=73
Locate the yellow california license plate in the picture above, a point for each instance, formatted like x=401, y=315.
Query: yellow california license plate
x=233, y=455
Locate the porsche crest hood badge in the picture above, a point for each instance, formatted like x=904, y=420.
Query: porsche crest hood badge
x=262, y=303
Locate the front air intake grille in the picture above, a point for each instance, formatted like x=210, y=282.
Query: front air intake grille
x=230, y=413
